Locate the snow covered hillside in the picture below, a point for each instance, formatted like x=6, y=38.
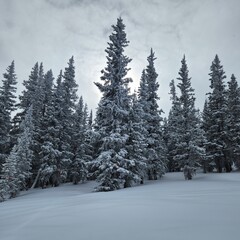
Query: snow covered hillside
x=205, y=208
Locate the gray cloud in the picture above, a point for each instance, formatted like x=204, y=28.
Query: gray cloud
x=51, y=31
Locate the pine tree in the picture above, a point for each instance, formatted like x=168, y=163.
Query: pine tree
x=190, y=141
x=9, y=179
x=136, y=145
x=8, y=89
x=173, y=127
x=233, y=121
x=69, y=98
x=7, y=106
x=23, y=153
x=50, y=131
x=17, y=168
x=156, y=149
x=79, y=162
x=208, y=165
x=112, y=165
x=217, y=104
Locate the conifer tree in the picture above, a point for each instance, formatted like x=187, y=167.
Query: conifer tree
x=112, y=165
x=217, y=109
x=173, y=127
x=69, y=98
x=7, y=106
x=190, y=142
x=136, y=144
x=79, y=162
x=17, y=168
x=156, y=149
x=233, y=121
x=49, y=152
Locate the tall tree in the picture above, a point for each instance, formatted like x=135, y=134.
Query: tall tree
x=69, y=98
x=217, y=104
x=156, y=149
x=7, y=106
x=189, y=146
x=112, y=165
x=233, y=121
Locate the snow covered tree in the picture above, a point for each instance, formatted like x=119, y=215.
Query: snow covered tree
x=30, y=91
x=4, y=134
x=112, y=165
x=9, y=179
x=78, y=169
x=189, y=136
x=233, y=121
x=23, y=153
x=173, y=127
x=136, y=144
x=17, y=168
x=7, y=106
x=69, y=98
x=8, y=89
x=49, y=131
x=217, y=108
x=156, y=149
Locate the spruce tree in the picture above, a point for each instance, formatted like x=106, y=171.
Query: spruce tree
x=78, y=170
x=112, y=165
x=173, y=127
x=69, y=98
x=233, y=121
x=49, y=131
x=7, y=106
x=216, y=133
x=189, y=148
x=156, y=149
x=17, y=168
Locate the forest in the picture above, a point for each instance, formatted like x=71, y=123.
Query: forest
x=48, y=135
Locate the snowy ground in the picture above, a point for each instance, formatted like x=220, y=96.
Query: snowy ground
x=208, y=207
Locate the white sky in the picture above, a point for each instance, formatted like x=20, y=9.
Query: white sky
x=51, y=31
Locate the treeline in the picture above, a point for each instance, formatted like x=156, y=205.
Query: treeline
x=53, y=139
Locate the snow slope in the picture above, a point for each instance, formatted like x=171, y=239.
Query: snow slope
x=205, y=208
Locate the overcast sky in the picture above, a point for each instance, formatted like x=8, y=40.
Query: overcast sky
x=51, y=31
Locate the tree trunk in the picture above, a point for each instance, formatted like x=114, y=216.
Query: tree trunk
x=36, y=179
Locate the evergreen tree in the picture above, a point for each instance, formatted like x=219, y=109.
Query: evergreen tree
x=9, y=179
x=156, y=149
x=7, y=106
x=190, y=141
x=136, y=145
x=23, y=153
x=112, y=165
x=69, y=97
x=17, y=168
x=8, y=89
x=233, y=121
x=79, y=163
x=30, y=91
x=173, y=127
x=217, y=109
x=90, y=120
x=50, y=130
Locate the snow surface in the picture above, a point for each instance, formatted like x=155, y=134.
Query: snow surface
x=206, y=207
